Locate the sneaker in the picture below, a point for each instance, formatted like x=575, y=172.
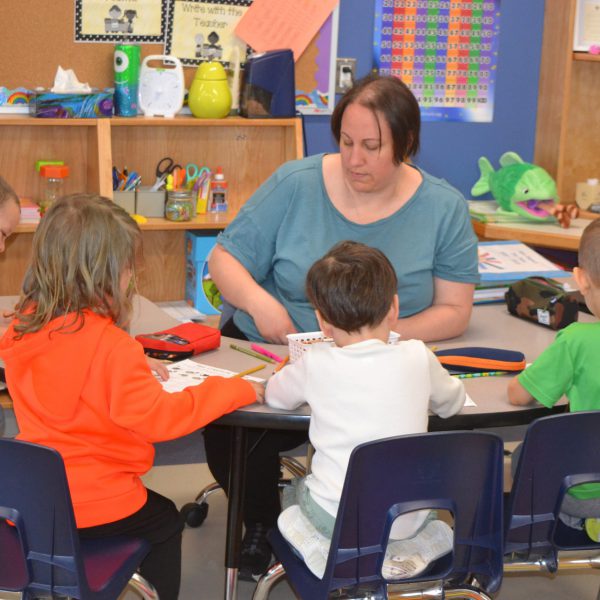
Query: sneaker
x=256, y=553
x=592, y=528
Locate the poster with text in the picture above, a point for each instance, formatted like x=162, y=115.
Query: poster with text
x=446, y=51
x=202, y=30
x=119, y=20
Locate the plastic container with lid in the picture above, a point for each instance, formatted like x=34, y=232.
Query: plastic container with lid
x=53, y=177
x=180, y=205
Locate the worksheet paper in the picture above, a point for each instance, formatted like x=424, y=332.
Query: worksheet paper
x=184, y=373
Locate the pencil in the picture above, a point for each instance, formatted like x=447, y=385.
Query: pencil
x=282, y=364
x=483, y=374
x=248, y=371
x=251, y=353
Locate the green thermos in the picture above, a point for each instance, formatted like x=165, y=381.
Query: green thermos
x=209, y=96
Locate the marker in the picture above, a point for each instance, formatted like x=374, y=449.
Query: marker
x=483, y=374
x=282, y=364
x=248, y=371
x=265, y=352
x=251, y=353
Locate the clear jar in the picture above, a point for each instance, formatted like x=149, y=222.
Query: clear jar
x=52, y=185
x=180, y=205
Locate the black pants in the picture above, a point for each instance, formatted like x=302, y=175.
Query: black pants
x=261, y=498
x=158, y=522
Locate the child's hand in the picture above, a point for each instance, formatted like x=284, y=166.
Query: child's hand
x=259, y=388
x=158, y=367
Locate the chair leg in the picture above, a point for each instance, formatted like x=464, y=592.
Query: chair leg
x=143, y=587
x=267, y=581
x=206, y=492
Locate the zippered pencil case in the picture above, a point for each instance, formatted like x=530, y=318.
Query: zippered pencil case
x=181, y=341
x=479, y=359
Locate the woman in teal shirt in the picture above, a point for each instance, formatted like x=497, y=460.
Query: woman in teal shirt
x=367, y=193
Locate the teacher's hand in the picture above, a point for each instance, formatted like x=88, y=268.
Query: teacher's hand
x=272, y=321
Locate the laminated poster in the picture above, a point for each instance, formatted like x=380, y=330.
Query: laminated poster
x=119, y=20
x=446, y=51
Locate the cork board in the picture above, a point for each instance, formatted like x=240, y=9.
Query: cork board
x=42, y=37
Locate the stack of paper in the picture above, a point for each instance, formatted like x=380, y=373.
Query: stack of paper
x=502, y=263
x=30, y=211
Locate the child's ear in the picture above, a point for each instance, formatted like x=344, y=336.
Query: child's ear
x=581, y=279
x=325, y=327
x=394, y=310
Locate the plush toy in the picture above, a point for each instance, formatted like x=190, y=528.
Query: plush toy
x=523, y=188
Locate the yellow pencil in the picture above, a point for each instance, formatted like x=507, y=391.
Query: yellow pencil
x=248, y=371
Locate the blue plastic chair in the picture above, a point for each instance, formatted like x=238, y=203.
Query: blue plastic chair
x=41, y=553
x=558, y=452
x=460, y=472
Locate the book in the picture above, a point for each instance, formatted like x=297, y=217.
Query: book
x=504, y=262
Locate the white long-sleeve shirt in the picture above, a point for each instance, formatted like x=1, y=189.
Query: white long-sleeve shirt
x=359, y=393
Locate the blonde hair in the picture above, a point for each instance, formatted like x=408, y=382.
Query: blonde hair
x=589, y=251
x=81, y=248
x=7, y=193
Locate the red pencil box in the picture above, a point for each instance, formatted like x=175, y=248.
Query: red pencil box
x=180, y=342
x=477, y=360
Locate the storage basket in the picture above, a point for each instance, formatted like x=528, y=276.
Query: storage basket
x=301, y=342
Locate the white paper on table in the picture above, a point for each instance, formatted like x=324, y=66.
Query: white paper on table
x=184, y=373
x=469, y=401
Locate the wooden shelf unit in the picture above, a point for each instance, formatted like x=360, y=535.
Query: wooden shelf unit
x=568, y=120
x=248, y=150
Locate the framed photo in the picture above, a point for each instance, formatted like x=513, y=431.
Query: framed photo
x=202, y=30
x=587, y=25
x=115, y=20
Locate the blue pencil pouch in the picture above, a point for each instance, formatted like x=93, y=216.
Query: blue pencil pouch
x=479, y=359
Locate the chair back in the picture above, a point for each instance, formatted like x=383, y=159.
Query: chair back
x=558, y=452
x=35, y=498
x=457, y=471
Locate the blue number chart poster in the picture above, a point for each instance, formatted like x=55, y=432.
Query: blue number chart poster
x=446, y=51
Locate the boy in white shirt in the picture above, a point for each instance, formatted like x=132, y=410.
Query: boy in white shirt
x=362, y=389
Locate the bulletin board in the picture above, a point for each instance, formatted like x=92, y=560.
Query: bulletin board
x=45, y=39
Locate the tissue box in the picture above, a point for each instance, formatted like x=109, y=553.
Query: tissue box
x=200, y=290
x=96, y=105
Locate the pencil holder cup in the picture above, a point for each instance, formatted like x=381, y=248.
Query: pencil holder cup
x=125, y=200
x=150, y=204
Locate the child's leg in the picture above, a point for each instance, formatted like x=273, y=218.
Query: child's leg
x=158, y=522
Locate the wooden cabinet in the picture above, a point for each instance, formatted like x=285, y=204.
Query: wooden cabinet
x=248, y=150
x=568, y=120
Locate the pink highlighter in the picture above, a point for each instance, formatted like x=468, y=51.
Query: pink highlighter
x=265, y=352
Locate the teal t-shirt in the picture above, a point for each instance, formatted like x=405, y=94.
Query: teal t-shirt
x=290, y=222
x=569, y=367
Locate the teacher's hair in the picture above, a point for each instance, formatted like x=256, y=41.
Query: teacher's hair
x=7, y=193
x=82, y=248
x=589, y=251
x=352, y=286
x=390, y=97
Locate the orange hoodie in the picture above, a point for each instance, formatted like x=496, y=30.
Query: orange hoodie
x=91, y=395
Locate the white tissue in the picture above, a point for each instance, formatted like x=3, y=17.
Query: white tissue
x=66, y=82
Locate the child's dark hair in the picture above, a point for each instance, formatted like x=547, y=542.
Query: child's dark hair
x=352, y=286
x=589, y=251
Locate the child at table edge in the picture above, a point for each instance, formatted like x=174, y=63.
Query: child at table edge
x=381, y=390
x=569, y=367
x=81, y=384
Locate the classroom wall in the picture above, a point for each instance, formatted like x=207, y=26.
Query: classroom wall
x=451, y=150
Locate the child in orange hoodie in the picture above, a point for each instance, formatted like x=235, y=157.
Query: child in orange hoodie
x=82, y=385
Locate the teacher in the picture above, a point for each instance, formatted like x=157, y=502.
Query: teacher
x=368, y=192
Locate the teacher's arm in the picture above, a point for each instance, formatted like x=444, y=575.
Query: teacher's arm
x=241, y=290
x=447, y=317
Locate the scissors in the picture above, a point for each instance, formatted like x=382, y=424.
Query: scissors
x=166, y=166
x=193, y=172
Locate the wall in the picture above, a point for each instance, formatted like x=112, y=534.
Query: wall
x=451, y=150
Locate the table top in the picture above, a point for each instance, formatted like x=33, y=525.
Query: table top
x=491, y=326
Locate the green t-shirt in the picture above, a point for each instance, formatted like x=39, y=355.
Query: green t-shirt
x=569, y=366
